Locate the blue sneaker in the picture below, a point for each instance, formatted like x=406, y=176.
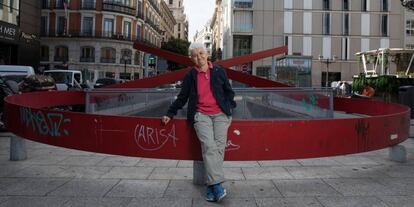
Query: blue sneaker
x=219, y=192
x=210, y=197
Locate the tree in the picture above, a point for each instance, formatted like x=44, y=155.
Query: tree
x=178, y=46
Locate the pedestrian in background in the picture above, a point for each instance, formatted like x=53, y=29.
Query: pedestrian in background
x=210, y=103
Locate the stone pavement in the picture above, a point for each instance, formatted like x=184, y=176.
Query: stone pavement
x=53, y=176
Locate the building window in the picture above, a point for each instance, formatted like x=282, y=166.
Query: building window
x=61, y=53
x=326, y=24
x=137, y=58
x=409, y=28
x=87, y=54
x=179, y=27
x=108, y=27
x=326, y=5
x=127, y=30
x=384, y=5
x=345, y=49
x=139, y=30
x=59, y=4
x=43, y=26
x=345, y=28
x=170, y=1
x=242, y=45
x=126, y=56
x=44, y=53
x=139, y=9
x=108, y=55
x=61, y=25
x=345, y=5
x=243, y=3
x=409, y=46
x=364, y=5
x=87, y=26
x=45, y=4
x=179, y=3
x=88, y=4
x=384, y=25
x=243, y=21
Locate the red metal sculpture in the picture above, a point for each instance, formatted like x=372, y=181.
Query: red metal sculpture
x=28, y=115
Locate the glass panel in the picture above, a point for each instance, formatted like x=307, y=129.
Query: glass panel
x=252, y=103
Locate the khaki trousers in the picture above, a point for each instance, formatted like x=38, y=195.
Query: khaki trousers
x=212, y=132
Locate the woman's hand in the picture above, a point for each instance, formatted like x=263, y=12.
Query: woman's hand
x=165, y=120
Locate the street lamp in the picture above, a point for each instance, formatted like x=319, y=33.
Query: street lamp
x=327, y=61
x=125, y=58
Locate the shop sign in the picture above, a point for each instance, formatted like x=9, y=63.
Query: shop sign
x=8, y=32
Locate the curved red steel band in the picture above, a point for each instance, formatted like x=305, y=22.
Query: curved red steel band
x=27, y=116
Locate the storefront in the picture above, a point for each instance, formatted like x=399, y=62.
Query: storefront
x=19, y=33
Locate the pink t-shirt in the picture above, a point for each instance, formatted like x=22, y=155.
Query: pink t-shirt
x=206, y=104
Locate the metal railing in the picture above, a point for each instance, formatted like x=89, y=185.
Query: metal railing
x=118, y=7
x=87, y=59
x=252, y=103
x=91, y=4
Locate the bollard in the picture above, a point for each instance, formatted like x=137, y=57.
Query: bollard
x=398, y=153
x=17, y=148
x=199, y=173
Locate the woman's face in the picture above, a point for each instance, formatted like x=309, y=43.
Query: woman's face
x=199, y=57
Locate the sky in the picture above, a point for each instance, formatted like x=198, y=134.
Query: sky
x=198, y=13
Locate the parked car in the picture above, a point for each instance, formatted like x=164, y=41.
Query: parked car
x=15, y=72
x=102, y=82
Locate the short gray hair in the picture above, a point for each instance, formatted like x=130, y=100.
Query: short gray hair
x=196, y=45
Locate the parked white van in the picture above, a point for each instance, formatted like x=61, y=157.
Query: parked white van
x=15, y=72
x=66, y=79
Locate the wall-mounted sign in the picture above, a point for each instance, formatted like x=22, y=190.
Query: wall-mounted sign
x=8, y=32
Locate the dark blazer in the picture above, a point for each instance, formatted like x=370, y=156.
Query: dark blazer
x=221, y=89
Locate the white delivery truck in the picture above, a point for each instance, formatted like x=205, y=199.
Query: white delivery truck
x=66, y=79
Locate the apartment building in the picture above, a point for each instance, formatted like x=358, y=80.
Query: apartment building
x=204, y=36
x=181, y=28
x=97, y=36
x=316, y=28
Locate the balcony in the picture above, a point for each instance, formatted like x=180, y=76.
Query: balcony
x=88, y=5
x=87, y=59
x=107, y=60
x=153, y=25
x=154, y=5
x=118, y=7
x=61, y=58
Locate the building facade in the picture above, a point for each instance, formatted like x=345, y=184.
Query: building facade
x=204, y=37
x=19, y=32
x=167, y=22
x=326, y=28
x=217, y=32
x=181, y=28
x=97, y=36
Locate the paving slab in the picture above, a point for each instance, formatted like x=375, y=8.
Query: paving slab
x=266, y=173
x=38, y=201
x=83, y=172
x=398, y=201
x=233, y=202
x=279, y=163
x=33, y=186
x=184, y=189
x=232, y=173
x=39, y=171
x=288, y=202
x=6, y=182
x=354, y=160
x=304, y=188
x=400, y=171
x=147, y=162
x=312, y=172
x=162, y=173
x=3, y=198
x=82, y=160
x=45, y=159
x=97, y=202
x=240, y=164
x=400, y=186
x=251, y=188
x=185, y=163
x=325, y=161
x=128, y=173
x=85, y=188
x=119, y=161
x=349, y=201
x=359, y=187
x=360, y=171
x=11, y=168
x=139, y=188
x=160, y=202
